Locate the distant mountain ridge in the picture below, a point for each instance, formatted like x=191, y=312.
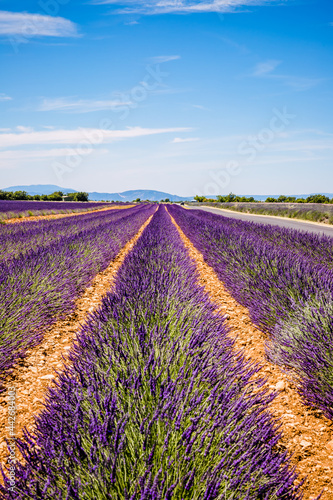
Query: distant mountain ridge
x=39, y=189
x=143, y=194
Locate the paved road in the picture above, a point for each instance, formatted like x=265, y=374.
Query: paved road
x=262, y=219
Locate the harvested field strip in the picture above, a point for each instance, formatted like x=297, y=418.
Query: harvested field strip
x=34, y=218
x=32, y=375
x=307, y=434
x=155, y=405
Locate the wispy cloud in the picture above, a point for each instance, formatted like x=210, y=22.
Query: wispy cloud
x=28, y=25
x=73, y=137
x=264, y=68
x=163, y=59
x=180, y=140
x=199, y=106
x=152, y=7
x=297, y=83
x=24, y=154
x=4, y=97
x=232, y=43
x=22, y=128
x=79, y=105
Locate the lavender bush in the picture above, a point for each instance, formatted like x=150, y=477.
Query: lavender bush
x=276, y=273
x=40, y=284
x=155, y=404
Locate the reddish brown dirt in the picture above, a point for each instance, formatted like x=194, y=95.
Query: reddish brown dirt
x=32, y=376
x=306, y=433
x=35, y=218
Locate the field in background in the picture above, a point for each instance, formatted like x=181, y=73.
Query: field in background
x=314, y=212
x=10, y=209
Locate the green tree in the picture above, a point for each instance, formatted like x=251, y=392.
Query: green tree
x=317, y=198
x=56, y=196
x=221, y=199
x=200, y=199
x=282, y=199
x=231, y=198
x=81, y=196
x=20, y=195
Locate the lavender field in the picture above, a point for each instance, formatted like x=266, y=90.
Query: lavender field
x=45, y=265
x=10, y=209
x=285, y=279
x=316, y=212
x=155, y=401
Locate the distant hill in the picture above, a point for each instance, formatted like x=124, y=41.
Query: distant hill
x=143, y=194
x=39, y=189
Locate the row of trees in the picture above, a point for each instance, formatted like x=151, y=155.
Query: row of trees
x=56, y=196
x=315, y=198
x=232, y=198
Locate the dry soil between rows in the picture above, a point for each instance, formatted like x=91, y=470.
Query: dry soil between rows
x=306, y=433
x=32, y=376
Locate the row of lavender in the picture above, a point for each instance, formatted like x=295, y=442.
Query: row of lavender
x=285, y=278
x=40, y=284
x=10, y=209
x=317, y=248
x=16, y=239
x=155, y=405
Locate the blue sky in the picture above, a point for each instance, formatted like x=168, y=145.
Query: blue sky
x=183, y=96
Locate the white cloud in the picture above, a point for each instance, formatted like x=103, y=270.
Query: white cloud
x=179, y=140
x=79, y=136
x=163, y=59
x=298, y=83
x=25, y=26
x=80, y=105
x=4, y=97
x=37, y=154
x=21, y=128
x=199, y=106
x=266, y=67
x=151, y=7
